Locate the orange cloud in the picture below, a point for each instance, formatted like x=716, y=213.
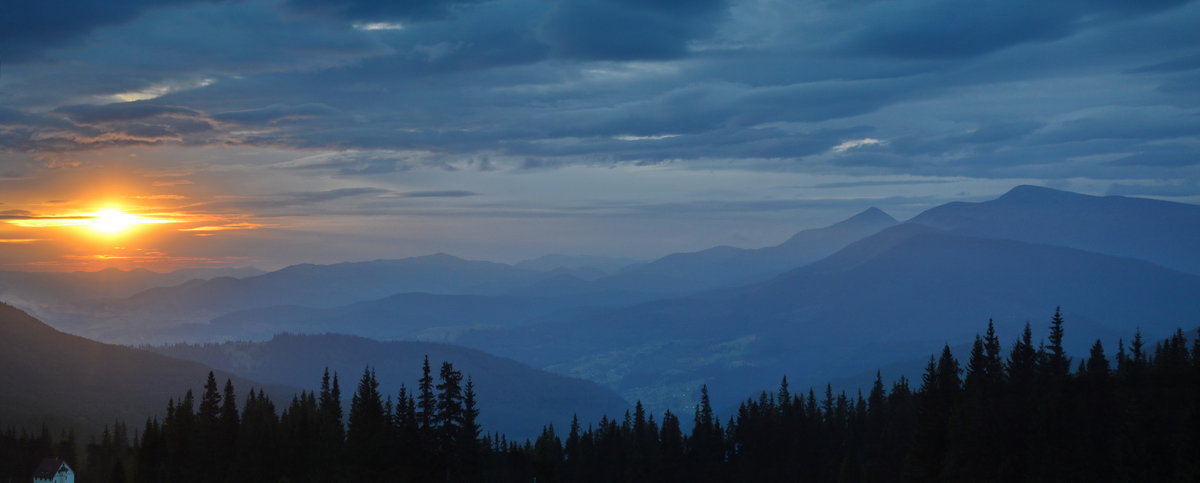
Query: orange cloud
x=170, y=183
x=231, y=226
x=159, y=197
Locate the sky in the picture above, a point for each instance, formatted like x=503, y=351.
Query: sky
x=183, y=133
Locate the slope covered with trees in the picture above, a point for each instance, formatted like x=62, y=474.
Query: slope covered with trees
x=1028, y=413
x=520, y=398
x=72, y=382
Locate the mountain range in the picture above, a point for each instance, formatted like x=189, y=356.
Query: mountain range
x=726, y=266
x=1162, y=232
x=827, y=303
x=884, y=298
x=66, y=381
x=44, y=288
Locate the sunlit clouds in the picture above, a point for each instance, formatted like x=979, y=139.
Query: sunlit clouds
x=157, y=90
x=370, y=26
x=858, y=143
x=274, y=133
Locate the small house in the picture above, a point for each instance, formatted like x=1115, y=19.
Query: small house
x=53, y=470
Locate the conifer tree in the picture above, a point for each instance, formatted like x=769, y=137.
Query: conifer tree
x=938, y=395
x=368, y=432
x=426, y=400
x=468, y=447
x=331, y=431
x=209, y=414
x=449, y=418
x=1057, y=365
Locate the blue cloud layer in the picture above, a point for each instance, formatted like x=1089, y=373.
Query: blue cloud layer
x=987, y=89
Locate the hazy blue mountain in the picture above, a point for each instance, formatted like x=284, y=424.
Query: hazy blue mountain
x=46, y=288
x=68, y=381
x=726, y=266
x=1163, y=232
x=582, y=266
x=514, y=398
x=893, y=296
x=337, y=284
x=144, y=317
x=405, y=316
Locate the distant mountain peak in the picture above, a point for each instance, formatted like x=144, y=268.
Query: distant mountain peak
x=1027, y=192
x=439, y=257
x=869, y=216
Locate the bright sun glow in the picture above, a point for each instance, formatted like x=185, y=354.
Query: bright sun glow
x=113, y=222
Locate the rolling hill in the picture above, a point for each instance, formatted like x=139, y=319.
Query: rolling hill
x=69, y=381
x=514, y=398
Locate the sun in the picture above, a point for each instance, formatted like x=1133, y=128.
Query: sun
x=113, y=222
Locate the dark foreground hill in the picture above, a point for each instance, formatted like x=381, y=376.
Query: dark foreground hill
x=514, y=398
x=68, y=381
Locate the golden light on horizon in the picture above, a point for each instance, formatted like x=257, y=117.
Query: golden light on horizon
x=113, y=222
x=107, y=223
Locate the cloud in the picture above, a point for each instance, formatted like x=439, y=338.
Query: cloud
x=532, y=86
x=225, y=227
x=276, y=113
x=30, y=26
x=286, y=200
x=857, y=143
x=436, y=194
x=374, y=26
x=946, y=29
x=378, y=11
x=1180, y=64
x=629, y=30
x=1185, y=188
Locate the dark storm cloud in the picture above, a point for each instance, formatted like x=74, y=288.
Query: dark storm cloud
x=629, y=30
x=28, y=27
x=983, y=89
x=948, y=29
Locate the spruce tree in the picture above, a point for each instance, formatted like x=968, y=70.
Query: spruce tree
x=1056, y=365
x=368, y=432
x=426, y=400
x=331, y=431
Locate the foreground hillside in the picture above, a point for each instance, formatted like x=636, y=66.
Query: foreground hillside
x=69, y=381
x=1024, y=412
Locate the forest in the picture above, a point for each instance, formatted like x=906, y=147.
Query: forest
x=1028, y=413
